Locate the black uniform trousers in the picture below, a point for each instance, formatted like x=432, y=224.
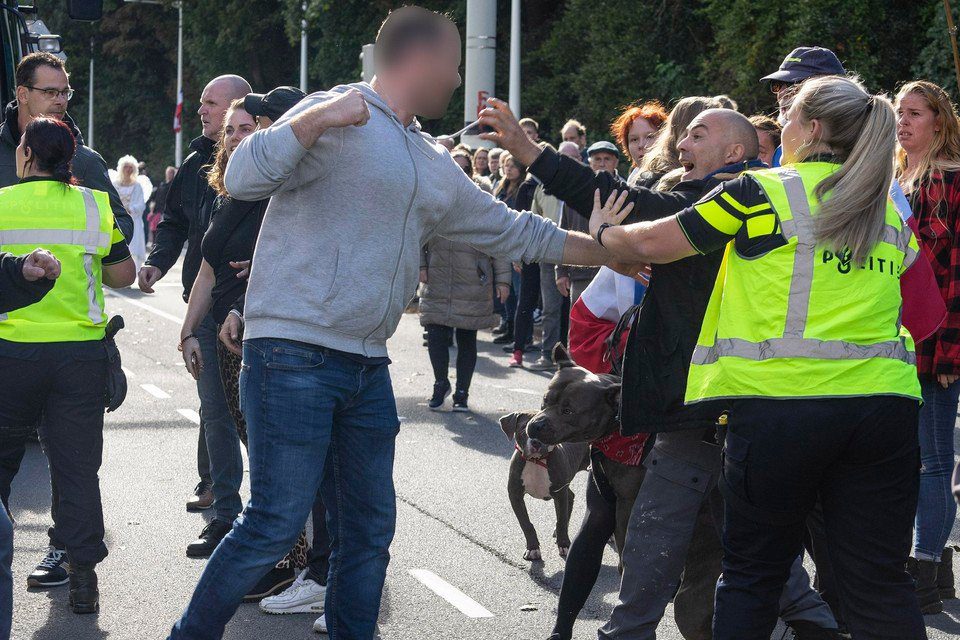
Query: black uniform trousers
x=65, y=389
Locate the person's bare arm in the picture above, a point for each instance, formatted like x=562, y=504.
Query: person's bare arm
x=657, y=242
x=120, y=275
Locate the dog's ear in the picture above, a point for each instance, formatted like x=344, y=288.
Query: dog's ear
x=562, y=357
x=513, y=422
x=613, y=395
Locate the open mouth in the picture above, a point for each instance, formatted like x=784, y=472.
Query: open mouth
x=687, y=166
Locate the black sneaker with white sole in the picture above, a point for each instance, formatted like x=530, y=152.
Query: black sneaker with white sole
x=440, y=392
x=460, y=401
x=52, y=571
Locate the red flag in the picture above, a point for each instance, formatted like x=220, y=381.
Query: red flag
x=178, y=114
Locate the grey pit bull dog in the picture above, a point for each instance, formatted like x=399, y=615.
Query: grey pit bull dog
x=580, y=407
x=544, y=472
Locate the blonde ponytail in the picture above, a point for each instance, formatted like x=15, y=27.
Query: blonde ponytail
x=860, y=130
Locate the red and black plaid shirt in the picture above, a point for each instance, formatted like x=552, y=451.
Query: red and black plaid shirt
x=936, y=207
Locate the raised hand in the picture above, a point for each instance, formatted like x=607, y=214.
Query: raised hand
x=347, y=109
x=507, y=133
x=612, y=212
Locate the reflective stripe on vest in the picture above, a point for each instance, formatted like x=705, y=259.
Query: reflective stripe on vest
x=793, y=344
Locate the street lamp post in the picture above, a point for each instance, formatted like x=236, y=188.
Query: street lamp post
x=515, y=57
x=90, y=142
x=303, y=48
x=178, y=150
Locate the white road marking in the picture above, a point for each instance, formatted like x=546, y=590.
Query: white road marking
x=130, y=374
x=467, y=605
x=160, y=312
x=190, y=415
x=526, y=391
x=155, y=391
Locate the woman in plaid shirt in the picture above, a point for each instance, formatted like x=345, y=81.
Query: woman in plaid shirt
x=928, y=131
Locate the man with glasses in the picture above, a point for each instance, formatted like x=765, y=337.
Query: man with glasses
x=801, y=64
x=43, y=89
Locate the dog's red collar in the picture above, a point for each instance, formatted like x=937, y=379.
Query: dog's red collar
x=542, y=462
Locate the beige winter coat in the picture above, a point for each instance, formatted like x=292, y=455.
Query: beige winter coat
x=460, y=285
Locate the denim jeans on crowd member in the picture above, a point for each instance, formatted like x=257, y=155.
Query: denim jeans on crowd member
x=223, y=442
x=509, y=308
x=936, y=509
x=860, y=457
x=6, y=577
x=315, y=418
x=554, y=311
x=318, y=563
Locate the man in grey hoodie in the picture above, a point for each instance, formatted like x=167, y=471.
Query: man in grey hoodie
x=356, y=189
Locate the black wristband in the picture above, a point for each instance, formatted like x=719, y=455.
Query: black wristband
x=603, y=227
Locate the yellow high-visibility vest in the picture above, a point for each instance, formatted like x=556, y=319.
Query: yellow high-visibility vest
x=802, y=321
x=76, y=225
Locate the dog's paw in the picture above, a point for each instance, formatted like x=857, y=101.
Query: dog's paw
x=533, y=555
x=564, y=551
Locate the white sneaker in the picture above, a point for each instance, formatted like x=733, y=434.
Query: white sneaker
x=303, y=596
x=320, y=626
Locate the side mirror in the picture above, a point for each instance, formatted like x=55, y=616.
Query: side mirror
x=87, y=10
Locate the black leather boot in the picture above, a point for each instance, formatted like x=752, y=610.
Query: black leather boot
x=945, y=582
x=924, y=573
x=84, y=595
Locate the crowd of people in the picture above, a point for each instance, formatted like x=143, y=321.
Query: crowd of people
x=789, y=359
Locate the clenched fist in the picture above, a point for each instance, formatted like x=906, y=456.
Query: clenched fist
x=40, y=263
x=347, y=109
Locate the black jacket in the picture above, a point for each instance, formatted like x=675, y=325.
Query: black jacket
x=159, y=197
x=186, y=215
x=15, y=291
x=88, y=167
x=665, y=332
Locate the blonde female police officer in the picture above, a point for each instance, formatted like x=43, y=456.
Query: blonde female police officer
x=52, y=358
x=803, y=353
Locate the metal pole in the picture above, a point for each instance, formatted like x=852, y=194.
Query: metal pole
x=952, y=30
x=515, y=57
x=481, y=62
x=303, y=49
x=90, y=142
x=178, y=152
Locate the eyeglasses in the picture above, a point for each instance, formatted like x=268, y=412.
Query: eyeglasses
x=777, y=87
x=53, y=93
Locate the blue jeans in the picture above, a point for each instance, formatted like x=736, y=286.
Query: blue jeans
x=937, y=509
x=6, y=577
x=315, y=418
x=223, y=442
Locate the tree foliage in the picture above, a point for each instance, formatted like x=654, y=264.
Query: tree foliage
x=581, y=58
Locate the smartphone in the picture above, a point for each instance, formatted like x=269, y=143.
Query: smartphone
x=473, y=129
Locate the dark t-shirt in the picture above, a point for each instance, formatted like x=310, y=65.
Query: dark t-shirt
x=231, y=237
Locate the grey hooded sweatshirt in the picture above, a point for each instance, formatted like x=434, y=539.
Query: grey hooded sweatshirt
x=338, y=255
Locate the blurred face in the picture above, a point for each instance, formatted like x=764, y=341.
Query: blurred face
x=171, y=172
x=571, y=134
x=640, y=138
x=481, y=161
x=704, y=147
x=239, y=125
x=127, y=172
x=432, y=74
x=531, y=132
x=917, y=125
x=214, y=102
x=767, y=147
x=494, y=162
x=510, y=170
x=35, y=101
x=603, y=161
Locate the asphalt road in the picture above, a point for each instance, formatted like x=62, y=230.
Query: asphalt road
x=454, y=519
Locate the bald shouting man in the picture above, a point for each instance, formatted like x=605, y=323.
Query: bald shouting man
x=672, y=529
x=185, y=219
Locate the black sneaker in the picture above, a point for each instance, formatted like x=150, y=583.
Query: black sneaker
x=460, y=401
x=276, y=580
x=440, y=392
x=504, y=338
x=209, y=538
x=501, y=329
x=52, y=571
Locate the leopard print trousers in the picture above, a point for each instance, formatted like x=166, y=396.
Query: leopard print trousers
x=230, y=376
